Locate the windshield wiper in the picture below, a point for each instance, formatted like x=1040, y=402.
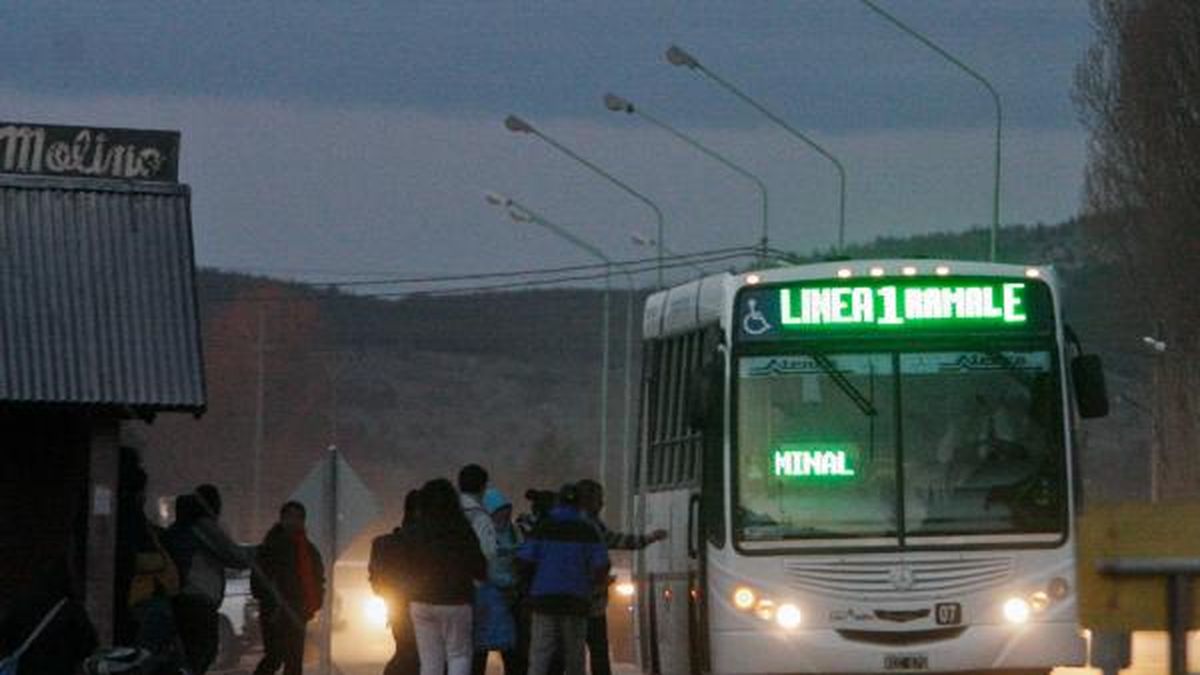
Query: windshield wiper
x=847, y=387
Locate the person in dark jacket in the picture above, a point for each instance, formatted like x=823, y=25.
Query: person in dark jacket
x=289, y=584
x=567, y=559
x=446, y=561
x=591, y=502
x=202, y=552
x=390, y=575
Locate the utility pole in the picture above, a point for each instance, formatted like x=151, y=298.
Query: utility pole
x=259, y=423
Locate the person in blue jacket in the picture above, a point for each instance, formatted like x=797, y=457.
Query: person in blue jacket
x=565, y=559
x=495, y=599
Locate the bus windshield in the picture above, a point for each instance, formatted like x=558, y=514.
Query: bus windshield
x=895, y=448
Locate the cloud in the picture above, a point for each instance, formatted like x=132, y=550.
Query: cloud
x=289, y=186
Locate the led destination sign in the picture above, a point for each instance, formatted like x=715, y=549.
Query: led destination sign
x=895, y=305
x=811, y=460
x=877, y=305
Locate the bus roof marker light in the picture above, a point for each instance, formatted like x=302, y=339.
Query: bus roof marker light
x=845, y=273
x=942, y=270
x=753, y=279
x=788, y=616
x=908, y=271
x=1033, y=272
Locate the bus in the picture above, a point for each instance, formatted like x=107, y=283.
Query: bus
x=864, y=466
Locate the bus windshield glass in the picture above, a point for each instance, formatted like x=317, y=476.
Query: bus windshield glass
x=890, y=447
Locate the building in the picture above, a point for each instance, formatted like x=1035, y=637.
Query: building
x=98, y=325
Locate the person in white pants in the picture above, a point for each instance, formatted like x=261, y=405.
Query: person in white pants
x=445, y=562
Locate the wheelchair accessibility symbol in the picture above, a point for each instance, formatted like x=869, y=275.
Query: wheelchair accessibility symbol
x=754, y=322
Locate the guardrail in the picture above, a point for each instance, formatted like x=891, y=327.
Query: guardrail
x=1178, y=573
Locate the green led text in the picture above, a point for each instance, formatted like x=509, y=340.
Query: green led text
x=898, y=305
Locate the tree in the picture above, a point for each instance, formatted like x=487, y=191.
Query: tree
x=1138, y=91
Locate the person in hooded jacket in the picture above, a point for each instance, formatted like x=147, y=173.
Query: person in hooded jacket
x=495, y=600
x=446, y=561
x=202, y=551
x=289, y=584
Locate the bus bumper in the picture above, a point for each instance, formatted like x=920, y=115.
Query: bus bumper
x=1036, y=646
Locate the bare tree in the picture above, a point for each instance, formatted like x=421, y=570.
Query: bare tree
x=1138, y=91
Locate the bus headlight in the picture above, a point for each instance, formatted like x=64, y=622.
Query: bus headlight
x=1039, y=601
x=765, y=609
x=744, y=598
x=1017, y=610
x=1058, y=588
x=788, y=616
x=376, y=611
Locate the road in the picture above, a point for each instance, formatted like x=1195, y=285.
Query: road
x=1149, y=658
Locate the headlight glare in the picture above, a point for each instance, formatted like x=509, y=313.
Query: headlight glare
x=788, y=616
x=744, y=598
x=1016, y=610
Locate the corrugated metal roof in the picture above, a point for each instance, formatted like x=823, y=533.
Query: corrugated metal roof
x=97, y=294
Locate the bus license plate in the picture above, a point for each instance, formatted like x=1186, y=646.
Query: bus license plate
x=906, y=662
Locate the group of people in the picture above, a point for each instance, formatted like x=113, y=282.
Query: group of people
x=462, y=579
x=170, y=582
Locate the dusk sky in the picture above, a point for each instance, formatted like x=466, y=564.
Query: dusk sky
x=359, y=138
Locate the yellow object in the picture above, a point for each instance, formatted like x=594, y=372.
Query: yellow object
x=1132, y=530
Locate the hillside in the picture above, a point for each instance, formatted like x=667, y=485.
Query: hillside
x=412, y=388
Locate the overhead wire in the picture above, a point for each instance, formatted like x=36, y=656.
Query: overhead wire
x=567, y=274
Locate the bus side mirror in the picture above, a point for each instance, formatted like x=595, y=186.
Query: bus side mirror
x=1091, y=393
x=704, y=394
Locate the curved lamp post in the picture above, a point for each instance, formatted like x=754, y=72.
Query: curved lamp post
x=517, y=125
x=676, y=56
x=978, y=78
x=523, y=214
x=617, y=104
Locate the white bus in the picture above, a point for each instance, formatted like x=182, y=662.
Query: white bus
x=864, y=466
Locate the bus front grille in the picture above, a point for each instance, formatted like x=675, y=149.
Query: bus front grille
x=883, y=578
x=903, y=638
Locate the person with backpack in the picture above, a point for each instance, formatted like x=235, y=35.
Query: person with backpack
x=565, y=559
x=202, y=551
x=389, y=574
x=446, y=562
x=289, y=584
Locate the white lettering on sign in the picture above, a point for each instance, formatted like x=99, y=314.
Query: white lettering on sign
x=893, y=305
x=28, y=149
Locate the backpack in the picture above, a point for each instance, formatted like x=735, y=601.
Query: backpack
x=10, y=663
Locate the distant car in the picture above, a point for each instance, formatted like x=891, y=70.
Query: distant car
x=238, y=627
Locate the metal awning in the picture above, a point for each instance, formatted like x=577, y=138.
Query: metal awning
x=98, y=294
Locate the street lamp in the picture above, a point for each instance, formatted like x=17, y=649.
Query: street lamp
x=995, y=101
x=517, y=125
x=676, y=56
x=521, y=213
x=617, y=104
